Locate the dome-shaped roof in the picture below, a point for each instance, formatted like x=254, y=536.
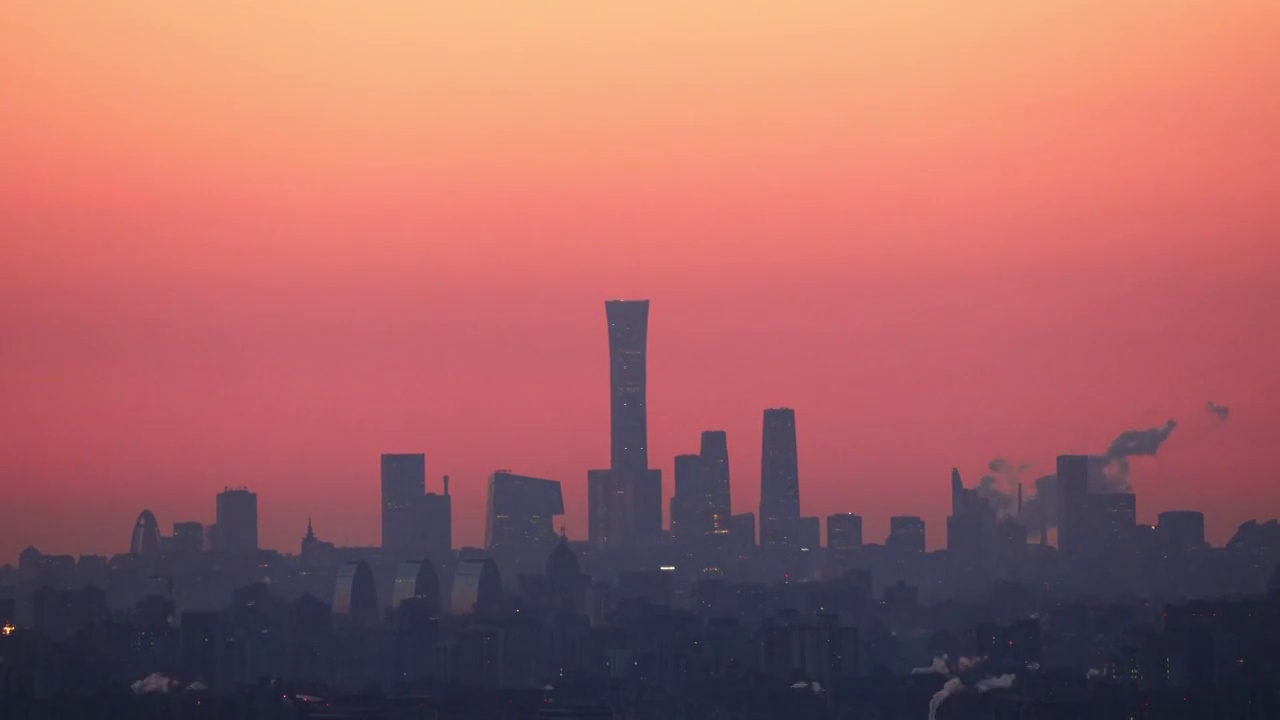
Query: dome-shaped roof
x=146, y=535
x=562, y=562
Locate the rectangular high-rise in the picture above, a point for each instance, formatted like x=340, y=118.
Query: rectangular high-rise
x=404, y=483
x=690, y=507
x=715, y=457
x=779, y=479
x=237, y=521
x=1073, y=496
x=844, y=531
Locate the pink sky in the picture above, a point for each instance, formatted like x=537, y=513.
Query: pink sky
x=261, y=243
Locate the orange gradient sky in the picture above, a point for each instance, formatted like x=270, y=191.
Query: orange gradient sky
x=260, y=243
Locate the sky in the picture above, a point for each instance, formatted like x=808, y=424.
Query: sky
x=260, y=243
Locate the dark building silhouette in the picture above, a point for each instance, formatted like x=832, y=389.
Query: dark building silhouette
x=566, y=584
x=742, y=529
x=188, y=537
x=809, y=533
x=779, y=479
x=1074, y=472
x=477, y=588
x=435, y=522
x=906, y=534
x=146, y=535
x=715, y=457
x=355, y=595
x=417, y=579
x=237, y=521
x=844, y=531
x=404, y=483
x=599, y=500
x=971, y=530
x=692, y=515
x=1181, y=530
x=634, y=509
x=520, y=511
x=628, y=336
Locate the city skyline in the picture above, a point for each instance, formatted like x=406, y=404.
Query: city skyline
x=943, y=235
x=410, y=524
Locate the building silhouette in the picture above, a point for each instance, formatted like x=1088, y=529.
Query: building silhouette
x=236, y=526
x=188, y=537
x=355, y=595
x=417, y=579
x=404, y=483
x=692, y=513
x=633, y=508
x=1181, y=531
x=477, y=588
x=906, y=534
x=520, y=511
x=844, y=531
x=779, y=479
x=146, y=535
x=809, y=533
x=715, y=454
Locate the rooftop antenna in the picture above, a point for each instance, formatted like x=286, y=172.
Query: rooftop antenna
x=446, y=484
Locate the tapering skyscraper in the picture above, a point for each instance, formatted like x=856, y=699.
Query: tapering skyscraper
x=635, y=491
x=779, y=479
x=715, y=456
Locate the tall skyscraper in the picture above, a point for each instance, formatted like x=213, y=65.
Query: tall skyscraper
x=1073, y=497
x=779, y=479
x=628, y=420
x=715, y=456
x=435, y=523
x=404, y=482
x=635, y=491
x=237, y=521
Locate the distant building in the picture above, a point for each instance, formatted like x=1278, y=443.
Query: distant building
x=404, y=483
x=715, y=457
x=1181, y=531
x=146, y=535
x=844, y=531
x=809, y=533
x=477, y=588
x=599, y=501
x=355, y=595
x=634, y=505
x=779, y=479
x=520, y=511
x=692, y=513
x=237, y=521
x=906, y=534
x=742, y=530
x=188, y=537
x=417, y=579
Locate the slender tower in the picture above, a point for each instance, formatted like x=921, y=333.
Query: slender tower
x=779, y=479
x=635, y=506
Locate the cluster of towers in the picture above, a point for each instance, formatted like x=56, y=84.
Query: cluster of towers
x=624, y=501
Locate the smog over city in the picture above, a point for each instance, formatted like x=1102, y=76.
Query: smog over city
x=413, y=360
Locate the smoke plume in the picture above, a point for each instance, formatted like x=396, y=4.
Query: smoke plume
x=154, y=683
x=1221, y=411
x=949, y=688
x=965, y=664
x=1000, y=682
x=1129, y=444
